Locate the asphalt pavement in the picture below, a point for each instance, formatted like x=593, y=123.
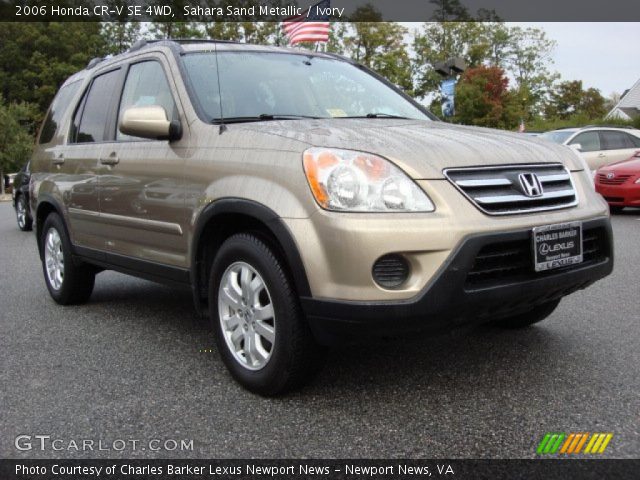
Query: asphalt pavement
x=134, y=364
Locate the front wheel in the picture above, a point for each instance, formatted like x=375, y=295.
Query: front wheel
x=25, y=222
x=260, y=330
x=68, y=282
x=535, y=315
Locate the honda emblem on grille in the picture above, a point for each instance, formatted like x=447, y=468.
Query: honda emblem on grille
x=610, y=175
x=530, y=184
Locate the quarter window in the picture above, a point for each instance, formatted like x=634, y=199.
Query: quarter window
x=59, y=106
x=635, y=140
x=94, y=116
x=146, y=85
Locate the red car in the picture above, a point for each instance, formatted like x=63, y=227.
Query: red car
x=619, y=183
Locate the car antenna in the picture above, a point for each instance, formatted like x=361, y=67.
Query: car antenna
x=223, y=127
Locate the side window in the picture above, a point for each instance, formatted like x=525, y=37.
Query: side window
x=146, y=84
x=589, y=141
x=56, y=112
x=634, y=140
x=94, y=114
x=612, y=140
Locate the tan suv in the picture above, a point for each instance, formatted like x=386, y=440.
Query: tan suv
x=305, y=201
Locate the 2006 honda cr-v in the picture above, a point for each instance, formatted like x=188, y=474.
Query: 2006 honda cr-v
x=304, y=200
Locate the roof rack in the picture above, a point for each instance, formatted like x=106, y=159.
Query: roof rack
x=180, y=41
x=93, y=62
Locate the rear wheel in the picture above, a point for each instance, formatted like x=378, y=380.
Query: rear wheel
x=68, y=282
x=25, y=222
x=535, y=315
x=260, y=330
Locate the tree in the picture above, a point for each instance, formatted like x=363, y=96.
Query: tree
x=524, y=54
x=437, y=42
x=36, y=58
x=122, y=32
x=379, y=45
x=528, y=59
x=16, y=141
x=568, y=98
x=483, y=98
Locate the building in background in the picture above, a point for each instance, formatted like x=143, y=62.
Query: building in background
x=628, y=107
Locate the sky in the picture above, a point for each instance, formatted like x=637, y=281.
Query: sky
x=603, y=55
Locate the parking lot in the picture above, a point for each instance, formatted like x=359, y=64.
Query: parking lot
x=134, y=363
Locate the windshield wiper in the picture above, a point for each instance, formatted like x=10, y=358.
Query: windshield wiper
x=375, y=115
x=260, y=118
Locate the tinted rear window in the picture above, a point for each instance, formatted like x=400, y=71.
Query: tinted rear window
x=58, y=107
x=613, y=140
x=97, y=108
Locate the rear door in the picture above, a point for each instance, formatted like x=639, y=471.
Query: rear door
x=79, y=160
x=617, y=145
x=142, y=197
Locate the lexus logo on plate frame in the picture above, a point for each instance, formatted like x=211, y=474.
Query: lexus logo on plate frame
x=530, y=184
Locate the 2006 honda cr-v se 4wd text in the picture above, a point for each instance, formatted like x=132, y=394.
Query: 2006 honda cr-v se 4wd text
x=305, y=201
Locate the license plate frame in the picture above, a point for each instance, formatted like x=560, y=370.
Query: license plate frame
x=556, y=246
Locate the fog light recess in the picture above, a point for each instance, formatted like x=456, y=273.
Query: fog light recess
x=390, y=271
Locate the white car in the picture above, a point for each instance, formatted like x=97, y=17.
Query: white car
x=598, y=145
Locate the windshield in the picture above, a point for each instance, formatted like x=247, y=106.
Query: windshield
x=557, y=137
x=255, y=84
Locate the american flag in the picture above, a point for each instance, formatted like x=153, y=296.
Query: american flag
x=310, y=26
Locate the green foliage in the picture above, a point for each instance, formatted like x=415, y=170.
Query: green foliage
x=524, y=54
x=16, y=140
x=36, y=58
x=576, y=120
x=379, y=46
x=483, y=99
x=569, y=99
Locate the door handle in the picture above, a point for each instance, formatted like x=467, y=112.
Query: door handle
x=112, y=159
x=59, y=160
x=602, y=155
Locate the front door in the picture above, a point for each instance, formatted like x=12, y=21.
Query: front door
x=142, y=181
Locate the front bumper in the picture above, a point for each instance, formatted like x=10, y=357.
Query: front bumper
x=625, y=195
x=461, y=294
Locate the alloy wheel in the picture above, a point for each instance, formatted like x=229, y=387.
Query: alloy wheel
x=246, y=315
x=54, y=258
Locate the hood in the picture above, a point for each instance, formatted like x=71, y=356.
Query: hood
x=422, y=148
x=630, y=165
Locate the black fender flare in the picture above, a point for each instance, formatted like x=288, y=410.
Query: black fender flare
x=267, y=217
x=57, y=207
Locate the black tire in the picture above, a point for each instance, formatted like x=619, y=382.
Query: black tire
x=294, y=356
x=535, y=315
x=615, y=209
x=77, y=279
x=25, y=224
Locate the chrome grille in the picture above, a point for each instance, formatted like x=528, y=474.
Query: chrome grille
x=500, y=190
x=617, y=180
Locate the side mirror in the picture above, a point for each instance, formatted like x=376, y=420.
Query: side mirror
x=576, y=146
x=149, y=122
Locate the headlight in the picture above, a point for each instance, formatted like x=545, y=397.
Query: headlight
x=637, y=181
x=351, y=181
